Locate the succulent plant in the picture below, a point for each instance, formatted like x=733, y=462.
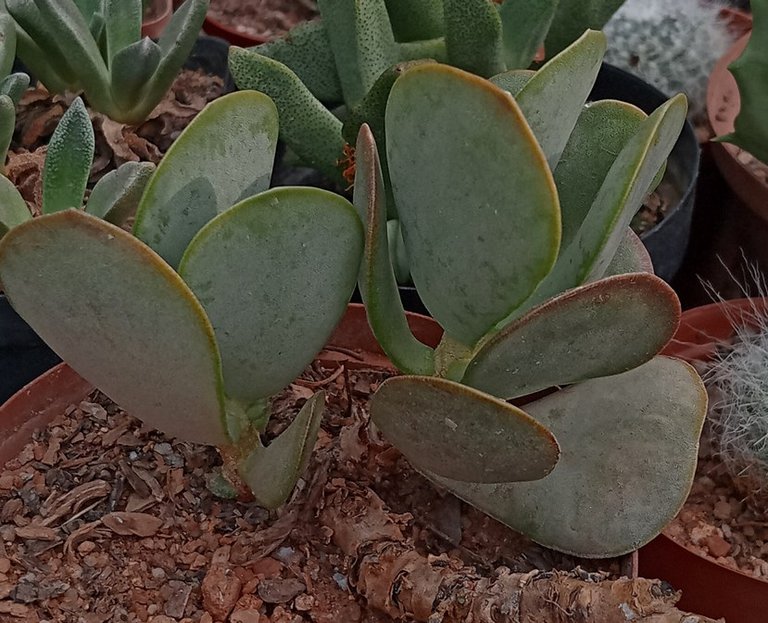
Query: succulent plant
x=65, y=177
x=672, y=45
x=95, y=47
x=514, y=209
x=751, y=73
x=354, y=53
x=12, y=85
x=223, y=296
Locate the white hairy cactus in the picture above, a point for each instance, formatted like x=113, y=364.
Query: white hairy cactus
x=672, y=44
x=738, y=383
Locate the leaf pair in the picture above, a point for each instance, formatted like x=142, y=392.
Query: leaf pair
x=198, y=352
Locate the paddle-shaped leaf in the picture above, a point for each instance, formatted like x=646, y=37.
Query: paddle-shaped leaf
x=603, y=328
x=272, y=472
x=473, y=36
x=554, y=97
x=116, y=195
x=514, y=80
x=573, y=17
x=377, y=279
x=631, y=257
x=123, y=24
x=68, y=161
x=121, y=317
x=275, y=274
x=476, y=200
x=449, y=429
x=594, y=245
x=629, y=445
x=223, y=157
x=525, y=24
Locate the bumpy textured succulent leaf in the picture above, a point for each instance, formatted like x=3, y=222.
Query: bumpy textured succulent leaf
x=573, y=17
x=461, y=212
x=121, y=317
x=751, y=73
x=68, y=161
x=554, y=97
x=416, y=20
x=123, y=24
x=308, y=127
x=306, y=51
x=602, y=131
x=14, y=86
x=237, y=134
x=275, y=274
x=524, y=26
x=449, y=429
x=362, y=42
x=271, y=473
x=116, y=195
x=629, y=446
x=377, y=279
x=594, y=245
x=473, y=36
x=574, y=337
x=7, y=125
x=13, y=209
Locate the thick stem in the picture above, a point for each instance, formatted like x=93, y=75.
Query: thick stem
x=395, y=578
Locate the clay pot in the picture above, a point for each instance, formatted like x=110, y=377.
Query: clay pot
x=708, y=588
x=159, y=14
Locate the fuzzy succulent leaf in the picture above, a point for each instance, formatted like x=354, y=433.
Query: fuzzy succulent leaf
x=116, y=195
x=306, y=51
x=276, y=266
x=602, y=131
x=271, y=473
x=13, y=209
x=460, y=213
x=594, y=245
x=130, y=302
x=308, y=127
x=573, y=17
x=473, y=36
x=377, y=279
x=239, y=134
x=524, y=27
x=554, y=97
x=132, y=68
x=14, y=86
x=68, y=161
x=460, y=433
x=362, y=42
x=7, y=125
x=751, y=73
x=573, y=337
x=416, y=20
x=122, y=20
x=631, y=257
x=627, y=453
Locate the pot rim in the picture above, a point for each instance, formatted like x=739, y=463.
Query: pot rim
x=153, y=28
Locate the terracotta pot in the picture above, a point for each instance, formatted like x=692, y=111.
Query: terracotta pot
x=708, y=588
x=235, y=37
x=161, y=12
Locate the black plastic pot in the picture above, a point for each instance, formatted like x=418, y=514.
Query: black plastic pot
x=668, y=240
x=23, y=355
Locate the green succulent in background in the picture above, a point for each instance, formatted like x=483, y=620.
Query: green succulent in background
x=751, y=73
x=95, y=47
x=354, y=52
x=224, y=294
x=514, y=211
x=67, y=168
x=12, y=85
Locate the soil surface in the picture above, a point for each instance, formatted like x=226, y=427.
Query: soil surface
x=39, y=112
x=716, y=522
x=262, y=19
x=101, y=520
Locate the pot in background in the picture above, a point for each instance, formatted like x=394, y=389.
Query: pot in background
x=157, y=16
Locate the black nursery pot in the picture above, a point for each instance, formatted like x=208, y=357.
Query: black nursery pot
x=23, y=355
x=667, y=241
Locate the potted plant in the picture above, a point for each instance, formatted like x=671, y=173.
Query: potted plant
x=210, y=386
x=724, y=340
